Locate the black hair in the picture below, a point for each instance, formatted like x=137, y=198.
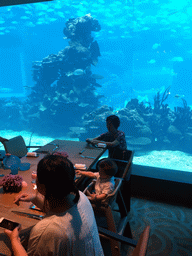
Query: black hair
x=109, y=166
x=57, y=174
x=114, y=120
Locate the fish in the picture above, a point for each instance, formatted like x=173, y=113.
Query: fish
x=152, y=61
x=179, y=96
x=54, y=83
x=77, y=72
x=4, y=89
x=177, y=59
x=155, y=46
x=42, y=108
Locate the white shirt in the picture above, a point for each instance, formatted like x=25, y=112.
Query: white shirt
x=104, y=186
x=73, y=232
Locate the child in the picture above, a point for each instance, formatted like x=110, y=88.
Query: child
x=105, y=183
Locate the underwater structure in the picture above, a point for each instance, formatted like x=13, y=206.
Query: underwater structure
x=64, y=84
x=63, y=100
x=147, y=127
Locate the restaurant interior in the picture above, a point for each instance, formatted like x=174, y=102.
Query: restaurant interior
x=150, y=211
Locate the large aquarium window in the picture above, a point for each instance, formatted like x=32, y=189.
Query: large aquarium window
x=66, y=65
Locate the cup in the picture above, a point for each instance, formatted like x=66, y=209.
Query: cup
x=14, y=169
x=34, y=176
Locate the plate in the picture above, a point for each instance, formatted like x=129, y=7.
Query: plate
x=24, y=166
x=8, y=161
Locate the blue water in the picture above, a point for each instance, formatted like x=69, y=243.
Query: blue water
x=145, y=48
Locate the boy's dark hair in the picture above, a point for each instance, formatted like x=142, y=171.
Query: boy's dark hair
x=109, y=166
x=57, y=174
x=114, y=120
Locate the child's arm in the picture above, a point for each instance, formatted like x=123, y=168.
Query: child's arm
x=95, y=197
x=87, y=174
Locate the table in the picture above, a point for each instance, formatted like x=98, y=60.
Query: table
x=73, y=148
x=77, y=151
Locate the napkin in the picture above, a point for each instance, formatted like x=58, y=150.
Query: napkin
x=80, y=166
x=101, y=145
x=34, y=154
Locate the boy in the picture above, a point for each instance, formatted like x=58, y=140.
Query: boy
x=114, y=139
x=105, y=183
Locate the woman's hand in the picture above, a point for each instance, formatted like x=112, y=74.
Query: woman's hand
x=13, y=235
x=24, y=197
x=17, y=247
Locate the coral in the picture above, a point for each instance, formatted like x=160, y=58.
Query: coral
x=79, y=29
x=64, y=84
x=159, y=106
x=183, y=117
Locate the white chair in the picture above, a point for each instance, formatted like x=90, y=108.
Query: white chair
x=104, y=211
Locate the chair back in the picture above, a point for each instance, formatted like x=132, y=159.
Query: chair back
x=16, y=146
x=120, y=154
x=141, y=247
x=112, y=196
x=124, y=165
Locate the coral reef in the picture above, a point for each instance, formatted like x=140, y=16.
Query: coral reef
x=63, y=100
x=64, y=84
x=147, y=127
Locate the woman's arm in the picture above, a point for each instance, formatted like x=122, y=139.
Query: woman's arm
x=17, y=247
x=34, y=198
x=39, y=201
x=95, y=197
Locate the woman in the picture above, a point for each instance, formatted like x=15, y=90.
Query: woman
x=69, y=227
x=114, y=139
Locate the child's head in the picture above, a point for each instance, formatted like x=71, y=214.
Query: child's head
x=108, y=167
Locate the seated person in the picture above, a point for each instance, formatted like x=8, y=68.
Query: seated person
x=69, y=227
x=105, y=183
x=114, y=139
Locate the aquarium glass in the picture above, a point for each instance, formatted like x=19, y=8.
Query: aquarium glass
x=67, y=65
